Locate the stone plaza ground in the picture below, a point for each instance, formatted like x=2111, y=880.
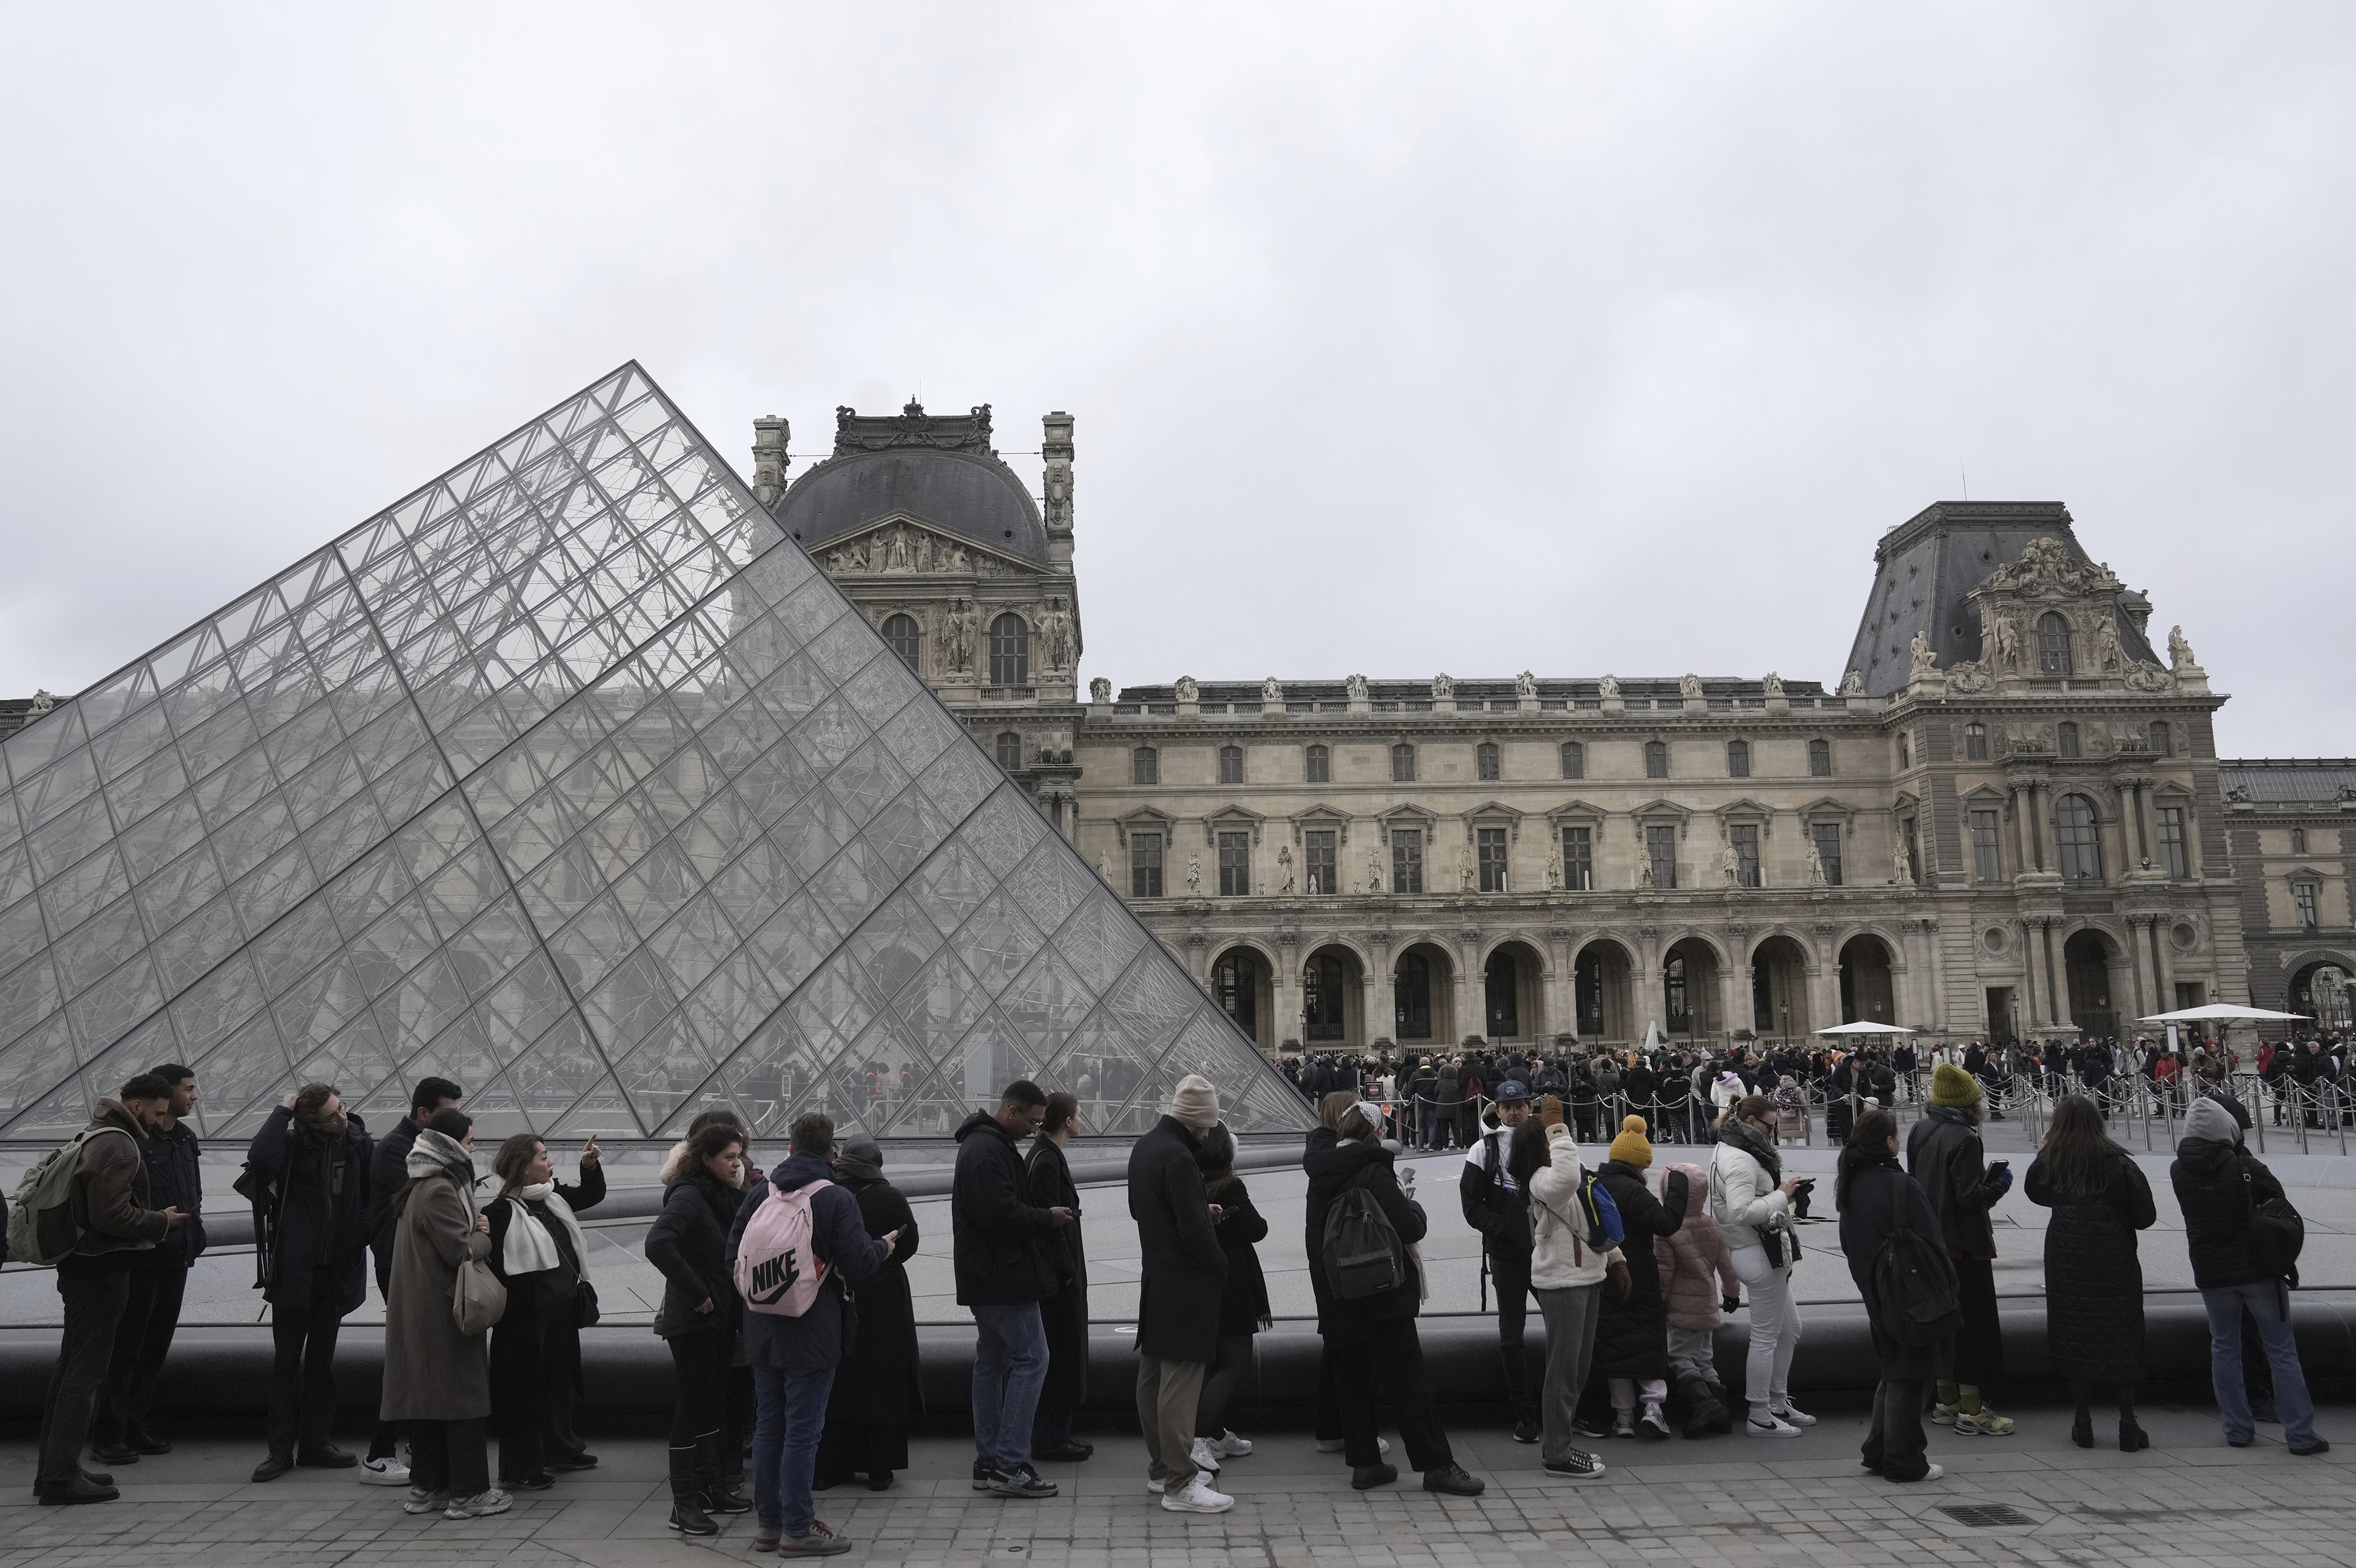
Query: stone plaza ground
x=2190, y=1499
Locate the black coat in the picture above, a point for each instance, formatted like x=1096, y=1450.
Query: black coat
x=539, y=1336
x=875, y=1384
x=314, y=1252
x=176, y=1179
x=1242, y=1300
x=1946, y=1156
x=1503, y=1217
x=1883, y=1198
x=1065, y=1314
x=388, y=1174
x=688, y=1242
x=994, y=1232
x=2208, y=1177
x=1332, y=1165
x=1181, y=1267
x=1632, y=1335
x=2093, y=1281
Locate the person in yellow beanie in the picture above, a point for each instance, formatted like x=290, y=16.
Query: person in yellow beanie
x=1943, y=1153
x=1632, y=1341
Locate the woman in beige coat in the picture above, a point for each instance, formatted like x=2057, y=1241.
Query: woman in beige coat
x=436, y=1378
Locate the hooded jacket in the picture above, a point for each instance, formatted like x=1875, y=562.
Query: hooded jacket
x=1333, y=1165
x=2217, y=1186
x=1696, y=1269
x=108, y=1197
x=1490, y=1204
x=1561, y=1258
x=815, y=1340
x=995, y=1232
x=689, y=1244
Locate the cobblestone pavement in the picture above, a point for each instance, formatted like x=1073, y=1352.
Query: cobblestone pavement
x=2189, y=1500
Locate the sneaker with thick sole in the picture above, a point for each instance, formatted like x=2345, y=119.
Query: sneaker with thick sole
x=1932, y=1474
x=1983, y=1422
x=1205, y=1458
x=1227, y=1445
x=383, y=1473
x=982, y=1472
x=1943, y=1414
x=1794, y=1415
x=420, y=1500
x=1653, y=1424
x=478, y=1506
x=1578, y=1466
x=1455, y=1481
x=1196, y=1496
x=1021, y=1481
x=1589, y=1427
x=1768, y=1427
x=821, y=1541
x=1623, y=1423
x=1527, y=1430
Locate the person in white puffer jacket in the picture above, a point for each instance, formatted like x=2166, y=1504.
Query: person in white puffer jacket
x=1567, y=1277
x=1749, y=1197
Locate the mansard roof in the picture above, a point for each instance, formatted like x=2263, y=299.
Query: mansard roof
x=939, y=469
x=1474, y=690
x=2320, y=779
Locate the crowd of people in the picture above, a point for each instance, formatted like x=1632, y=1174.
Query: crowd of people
x=787, y=1315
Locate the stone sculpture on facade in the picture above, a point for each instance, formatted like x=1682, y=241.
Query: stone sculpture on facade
x=1099, y=689
x=1729, y=864
x=1813, y=862
x=1356, y=687
x=1554, y=868
x=1901, y=865
x=1465, y=868
x=2109, y=655
x=1525, y=685
x=1968, y=676
x=1689, y=688
x=1443, y=690
x=1271, y=692
x=1194, y=873
x=2179, y=653
x=1284, y=866
x=2000, y=639
x=1103, y=870
x=1772, y=685
x=1852, y=684
x=1926, y=663
x=1055, y=634
x=42, y=703
x=1373, y=871
x=1607, y=688
x=1188, y=692
x=2143, y=675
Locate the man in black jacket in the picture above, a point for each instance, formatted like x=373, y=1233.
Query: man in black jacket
x=1494, y=1207
x=1183, y=1268
x=1002, y=1277
x=158, y=1281
x=316, y=1155
x=388, y=1174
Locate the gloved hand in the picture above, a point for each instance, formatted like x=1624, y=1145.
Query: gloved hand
x=1618, y=1280
x=2004, y=1178
x=1730, y=1303
x=1550, y=1111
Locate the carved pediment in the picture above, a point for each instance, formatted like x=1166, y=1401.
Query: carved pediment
x=903, y=547
x=1146, y=819
x=1234, y=819
x=1322, y=816
x=1494, y=813
x=2047, y=570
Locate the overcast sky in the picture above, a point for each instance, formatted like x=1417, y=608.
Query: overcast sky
x=1473, y=338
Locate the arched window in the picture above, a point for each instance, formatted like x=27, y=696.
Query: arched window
x=1145, y=765
x=2298, y=841
x=1574, y=760
x=2052, y=644
x=1010, y=652
x=2162, y=743
x=2081, y=845
x=2066, y=740
x=1656, y=759
x=1905, y=752
x=1320, y=766
x=1402, y=764
x=1231, y=765
x=901, y=633
x=1820, y=759
x=1975, y=743
x=1009, y=751
x=1738, y=760
x=1484, y=758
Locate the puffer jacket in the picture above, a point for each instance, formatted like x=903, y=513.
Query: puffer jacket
x=1333, y=1165
x=1744, y=1195
x=1696, y=1269
x=1561, y=1258
x=2208, y=1177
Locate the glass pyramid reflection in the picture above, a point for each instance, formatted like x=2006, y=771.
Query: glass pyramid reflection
x=570, y=778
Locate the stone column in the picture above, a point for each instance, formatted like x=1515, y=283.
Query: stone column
x=1561, y=993
x=1472, y=996
x=2137, y=925
x=1288, y=987
x=2024, y=807
x=1382, y=990
x=2163, y=968
x=1824, y=983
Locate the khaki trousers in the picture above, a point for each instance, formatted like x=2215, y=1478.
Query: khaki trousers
x=1167, y=1395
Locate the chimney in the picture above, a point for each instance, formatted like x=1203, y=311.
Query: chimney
x=1056, y=446
x=769, y=460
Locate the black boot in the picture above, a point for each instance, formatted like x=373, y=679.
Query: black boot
x=687, y=1515
x=1704, y=1413
x=1516, y=1359
x=720, y=1494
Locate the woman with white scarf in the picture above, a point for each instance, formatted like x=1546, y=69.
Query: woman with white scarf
x=537, y=1253
x=435, y=1381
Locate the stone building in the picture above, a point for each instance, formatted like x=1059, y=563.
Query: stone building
x=2292, y=829
x=2006, y=820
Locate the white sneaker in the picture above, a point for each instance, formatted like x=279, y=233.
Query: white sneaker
x=1206, y=1459
x=1935, y=1472
x=420, y=1500
x=1196, y=1496
x=383, y=1473
x=481, y=1503
x=1227, y=1445
x=1153, y=1485
x=1794, y=1415
x=1766, y=1426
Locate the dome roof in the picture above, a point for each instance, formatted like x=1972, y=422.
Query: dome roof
x=974, y=497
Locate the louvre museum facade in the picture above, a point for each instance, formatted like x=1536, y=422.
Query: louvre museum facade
x=2008, y=819
x=615, y=787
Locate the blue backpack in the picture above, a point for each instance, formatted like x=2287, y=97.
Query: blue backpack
x=1604, y=1230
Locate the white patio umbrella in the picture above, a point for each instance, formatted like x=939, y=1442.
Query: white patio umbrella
x=1862, y=1027
x=2220, y=1012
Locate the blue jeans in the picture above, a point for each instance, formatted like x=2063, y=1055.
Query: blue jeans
x=788, y=1417
x=2269, y=1305
x=1010, y=1366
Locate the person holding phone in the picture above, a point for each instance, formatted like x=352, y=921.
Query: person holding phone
x=1943, y=1152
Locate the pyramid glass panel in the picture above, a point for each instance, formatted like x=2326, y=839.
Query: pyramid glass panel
x=570, y=778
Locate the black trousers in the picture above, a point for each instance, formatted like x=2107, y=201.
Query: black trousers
x=700, y=1402
x=303, y=1377
x=1979, y=1343
x=1895, y=1444
x=151, y=1314
x=450, y=1456
x=1390, y=1355
x=93, y=1310
x=1510, y=1278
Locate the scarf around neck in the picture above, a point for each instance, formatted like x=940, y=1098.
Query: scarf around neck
x=1746, y=1138
x=437, y=1154
x=529, y=1248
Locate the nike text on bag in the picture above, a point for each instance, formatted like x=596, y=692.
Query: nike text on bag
x=1917, y=1306
x=41, y=1227
x=778, y=1271
x=1363, y=1256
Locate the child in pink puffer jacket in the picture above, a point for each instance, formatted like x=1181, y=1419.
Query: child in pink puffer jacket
x=1697, y=1281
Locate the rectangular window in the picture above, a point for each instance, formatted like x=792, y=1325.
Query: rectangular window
x=1317, y=861
x=1988, y=847
x=1145, y=865
x=1234, y=866
x=1574, y=759
x=1745, y=838
x=1661, y=850
x=2298, y=841
x=1320, y=766
x=2172, y=857
x=1231, y=765
x=1407, y=860
x=1578, y=859
x=2303, y=894
x=1484, y=759
x=1492, y=859
x=1145, y=765
x=1738, y=760
x=1656, y=759
x=1826, y=837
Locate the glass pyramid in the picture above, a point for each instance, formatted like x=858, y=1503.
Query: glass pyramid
x=570, y=778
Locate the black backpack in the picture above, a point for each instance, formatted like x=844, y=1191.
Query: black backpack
x=1911, y=1282
x=1363, y=1255
x=2277, y=1233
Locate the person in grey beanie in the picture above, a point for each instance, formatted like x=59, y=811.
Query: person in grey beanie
x=1183, y=1269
